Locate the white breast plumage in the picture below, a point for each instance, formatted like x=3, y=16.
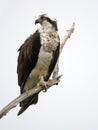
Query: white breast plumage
x=49, y=40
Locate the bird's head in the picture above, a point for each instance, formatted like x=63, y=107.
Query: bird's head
x=46, y=20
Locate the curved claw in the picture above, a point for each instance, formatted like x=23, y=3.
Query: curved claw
x=43, y=83
x=45, y=87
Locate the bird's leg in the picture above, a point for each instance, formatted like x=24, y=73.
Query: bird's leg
x=43, y=83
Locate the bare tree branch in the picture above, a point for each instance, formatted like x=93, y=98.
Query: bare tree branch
x=65, y=38
x=40, y=86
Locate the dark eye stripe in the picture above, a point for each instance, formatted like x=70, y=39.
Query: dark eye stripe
x=50, y=21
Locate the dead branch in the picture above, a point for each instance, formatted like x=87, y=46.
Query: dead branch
x=65, y=38
x=40, y=86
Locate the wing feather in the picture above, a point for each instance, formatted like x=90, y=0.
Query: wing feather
x=27, y=59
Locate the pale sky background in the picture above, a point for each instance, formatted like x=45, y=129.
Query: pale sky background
x=73, y=104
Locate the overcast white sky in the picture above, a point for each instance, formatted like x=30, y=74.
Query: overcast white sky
x=73, y=104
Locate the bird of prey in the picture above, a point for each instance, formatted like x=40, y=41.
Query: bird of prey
x=37, y=57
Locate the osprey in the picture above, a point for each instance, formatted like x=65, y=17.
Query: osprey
x=37, y=57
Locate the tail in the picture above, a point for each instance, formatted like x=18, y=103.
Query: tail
x=27, y=102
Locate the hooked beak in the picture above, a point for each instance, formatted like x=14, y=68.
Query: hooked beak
x=37, y=21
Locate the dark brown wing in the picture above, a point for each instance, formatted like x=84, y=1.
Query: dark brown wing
x=27, y=59
x=53, y=61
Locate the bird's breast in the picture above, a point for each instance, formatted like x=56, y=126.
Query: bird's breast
x=40, y=69
x=49, y=40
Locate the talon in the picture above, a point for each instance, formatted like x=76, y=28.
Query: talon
x=43, y=83
x=45, y=87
